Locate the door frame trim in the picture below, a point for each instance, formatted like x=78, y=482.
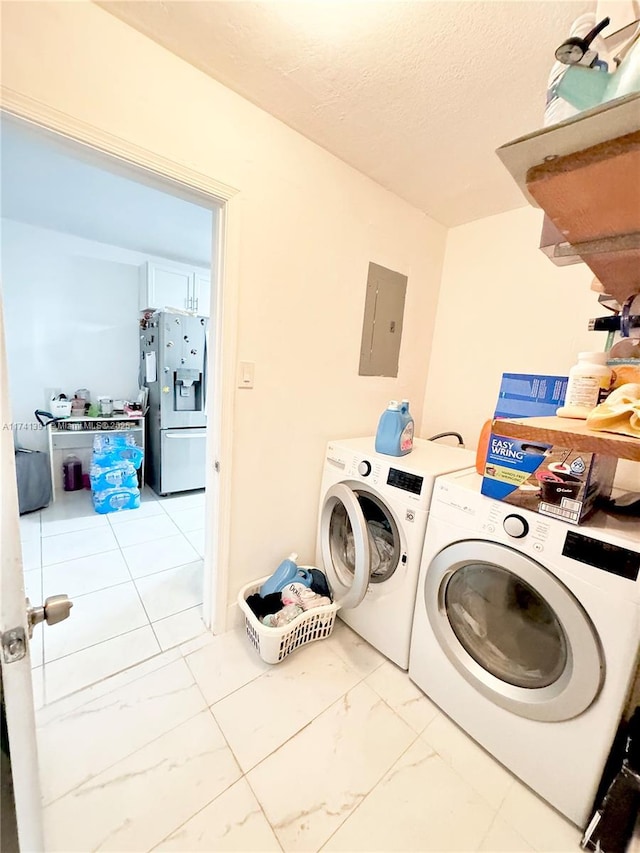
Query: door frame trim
x=203, y=189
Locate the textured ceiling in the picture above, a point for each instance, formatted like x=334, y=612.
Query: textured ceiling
x=417, y=95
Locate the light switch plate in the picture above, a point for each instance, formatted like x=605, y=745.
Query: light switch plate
x=246, y=372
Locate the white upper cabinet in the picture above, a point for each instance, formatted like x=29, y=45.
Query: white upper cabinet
x=171, y=285
x=202, y=293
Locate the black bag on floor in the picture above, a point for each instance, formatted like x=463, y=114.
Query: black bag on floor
x=611, y=828
x=34, y=480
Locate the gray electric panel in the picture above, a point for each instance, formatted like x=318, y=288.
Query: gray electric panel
x=382, y=326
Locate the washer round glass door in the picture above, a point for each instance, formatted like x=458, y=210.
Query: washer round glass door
x=360, y=542
x=513, y=630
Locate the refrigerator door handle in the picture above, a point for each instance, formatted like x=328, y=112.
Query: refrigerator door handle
x=204, y=374
x=185, y=434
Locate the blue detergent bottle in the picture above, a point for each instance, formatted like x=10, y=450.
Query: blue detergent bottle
x=395, y=430
x=287, y=572
x=406, y=439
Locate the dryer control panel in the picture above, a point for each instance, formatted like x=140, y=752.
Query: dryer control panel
x=602, y=555
x=602, y=550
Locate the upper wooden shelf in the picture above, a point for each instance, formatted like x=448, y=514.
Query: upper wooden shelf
x=585, y=174
x=570, y=432
x=590, y=127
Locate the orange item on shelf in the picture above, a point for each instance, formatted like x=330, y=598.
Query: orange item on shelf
x=483, y=444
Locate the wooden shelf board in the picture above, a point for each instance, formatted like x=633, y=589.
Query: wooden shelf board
x=590, y=127
x=570, y=432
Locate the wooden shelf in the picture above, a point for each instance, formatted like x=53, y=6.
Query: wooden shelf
x=570, y=432
x=585, y=174
x=591, y=127
x=593, y=198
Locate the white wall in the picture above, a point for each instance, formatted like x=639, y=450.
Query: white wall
x=504, y=307
x=310, y=226
x=71, y=315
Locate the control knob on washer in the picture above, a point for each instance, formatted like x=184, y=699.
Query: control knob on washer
x=364, y=468
x=516, y=526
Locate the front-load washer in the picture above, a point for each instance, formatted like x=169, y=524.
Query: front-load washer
x=371, y=526
x=526, y=634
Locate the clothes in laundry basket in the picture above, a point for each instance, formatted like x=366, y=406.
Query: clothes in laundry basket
x=279, y=608
x=320, y=584
x=265, y=606
x=307, y=599
x=282, y=617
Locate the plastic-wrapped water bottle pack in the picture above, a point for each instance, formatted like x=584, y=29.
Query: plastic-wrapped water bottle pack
x=114, y=481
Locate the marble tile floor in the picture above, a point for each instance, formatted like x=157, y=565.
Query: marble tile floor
x=205, y=747
x=135, y=578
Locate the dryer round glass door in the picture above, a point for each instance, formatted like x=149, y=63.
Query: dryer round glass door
x=360, y=542
x=505, y=625
x=513, y=630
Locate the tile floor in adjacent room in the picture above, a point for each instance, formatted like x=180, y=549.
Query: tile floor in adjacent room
x=205, y=747
x=135, y=578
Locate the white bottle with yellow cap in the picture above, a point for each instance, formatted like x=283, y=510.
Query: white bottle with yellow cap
x=589, y=383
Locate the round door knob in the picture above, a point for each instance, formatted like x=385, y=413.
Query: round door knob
x=364, y=468
x=516, y=526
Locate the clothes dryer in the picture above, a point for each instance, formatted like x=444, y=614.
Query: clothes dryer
x=371, y=526
x=527, y=633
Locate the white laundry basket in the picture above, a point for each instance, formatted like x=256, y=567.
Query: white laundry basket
x=274, y=644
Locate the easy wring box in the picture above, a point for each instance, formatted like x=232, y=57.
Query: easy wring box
x=555, y=481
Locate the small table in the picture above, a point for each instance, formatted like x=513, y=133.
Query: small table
x=76, y=434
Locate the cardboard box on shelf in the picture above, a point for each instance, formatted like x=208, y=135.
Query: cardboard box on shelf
x=529, y=395
x=552, y=480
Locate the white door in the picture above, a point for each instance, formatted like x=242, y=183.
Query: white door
x=360, y=543
x=15, y=659
x=17, y=617
x=344, y=543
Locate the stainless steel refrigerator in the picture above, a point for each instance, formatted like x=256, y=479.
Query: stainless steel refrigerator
x=173, y=358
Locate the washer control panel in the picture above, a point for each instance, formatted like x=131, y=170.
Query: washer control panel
x=515, y=526
x=386, y=478
x=405, y=481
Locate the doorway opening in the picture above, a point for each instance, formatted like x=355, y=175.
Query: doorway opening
x=94, y=250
